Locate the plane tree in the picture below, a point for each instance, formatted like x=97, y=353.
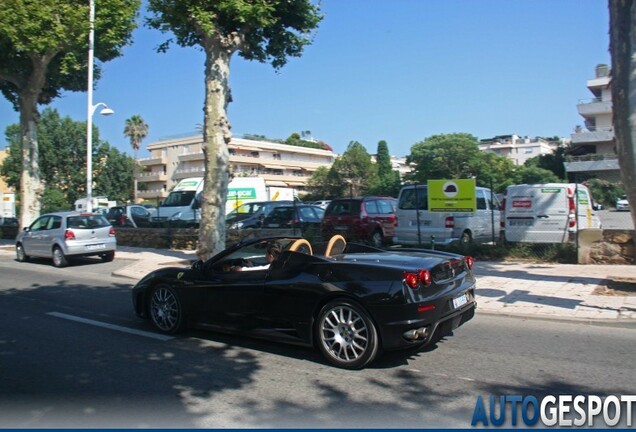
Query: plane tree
x=268, y=31
x=43, y=52
x=623, y=51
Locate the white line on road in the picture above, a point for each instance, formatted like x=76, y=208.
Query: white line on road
x=111, y=326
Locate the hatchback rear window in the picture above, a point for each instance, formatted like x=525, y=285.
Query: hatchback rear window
x=344, y=208
x=87, y=222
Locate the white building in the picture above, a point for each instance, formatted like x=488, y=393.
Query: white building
x=279, y=164
x=518, y=149
x=593, y=152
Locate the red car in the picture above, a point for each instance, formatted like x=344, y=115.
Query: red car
x=369, y=219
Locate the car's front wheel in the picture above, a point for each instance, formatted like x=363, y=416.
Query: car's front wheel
x=346, y=335
x=59, y=259
x=166, y=310
x=21, y=256
x=376, y=239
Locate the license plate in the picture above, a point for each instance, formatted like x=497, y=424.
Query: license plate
x=272, y=225
x=460, y=301
x=95, y=247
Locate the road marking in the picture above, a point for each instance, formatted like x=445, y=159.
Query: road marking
x=111, y=326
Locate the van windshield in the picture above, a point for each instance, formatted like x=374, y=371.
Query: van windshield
x=179, y=199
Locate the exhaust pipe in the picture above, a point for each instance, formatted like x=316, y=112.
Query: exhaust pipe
x=415, y=334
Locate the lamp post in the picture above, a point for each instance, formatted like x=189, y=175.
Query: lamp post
x=91, y=110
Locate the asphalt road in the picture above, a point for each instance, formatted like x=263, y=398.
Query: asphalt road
x=73, y=354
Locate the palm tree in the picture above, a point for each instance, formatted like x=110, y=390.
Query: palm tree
x=136, y=130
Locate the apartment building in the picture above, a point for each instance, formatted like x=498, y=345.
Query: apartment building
x=518, y=149
x=593, y=152
x=279, y=164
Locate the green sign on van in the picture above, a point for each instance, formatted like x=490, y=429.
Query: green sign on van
x=452, y=195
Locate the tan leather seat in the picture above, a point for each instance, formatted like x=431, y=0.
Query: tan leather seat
x=301, y=245
x=336, y=245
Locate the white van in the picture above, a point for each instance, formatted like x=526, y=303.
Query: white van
x=416, y=225
x=545, y=213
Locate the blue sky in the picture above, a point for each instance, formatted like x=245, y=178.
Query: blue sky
x=393, y=70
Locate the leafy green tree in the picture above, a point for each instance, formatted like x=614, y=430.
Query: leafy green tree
x=533, y=174
x=388, y=180
x=136, y=130
x=325, y=183
x=454, y=155
x=63, y=140
x=43, y=51
x=265, y=31
x=552, y=162
x=355, y=169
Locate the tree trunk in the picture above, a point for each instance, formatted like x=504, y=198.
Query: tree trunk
x=623, y=50
x=31, y=187
x=216, y=137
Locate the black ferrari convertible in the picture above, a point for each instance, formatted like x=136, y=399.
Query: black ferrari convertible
x=349, y=300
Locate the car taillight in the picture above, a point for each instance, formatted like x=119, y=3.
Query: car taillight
x=572, y=209
x=413, y=279
x=123, y=219
x=470, y=261
x=69, y=235
x=111, y=232
x=449, y=222
x=425, y=277
x=363, y=216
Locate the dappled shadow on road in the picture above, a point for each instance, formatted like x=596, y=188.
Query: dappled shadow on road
x=536, y=272
x=58, y=373
x=524, y=296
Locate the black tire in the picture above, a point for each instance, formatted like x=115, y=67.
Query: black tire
x=59, y=259
x=377, y=239
x=345, y=334
x=165, y=309
x=108, y=256
x=466, y=239
x=19, y=253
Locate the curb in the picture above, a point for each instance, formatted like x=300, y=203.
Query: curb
x=616, y=322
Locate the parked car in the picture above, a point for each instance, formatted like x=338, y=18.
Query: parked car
x=9, y=221
x=322, y=203
x=369, y=219
x=350, y=305
x=418, y=225
x=622, y=204
x=129, y=216
x=64, y=235
x=300, y=216
x=251, y=214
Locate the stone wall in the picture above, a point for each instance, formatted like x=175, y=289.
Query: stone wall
x=607, y=246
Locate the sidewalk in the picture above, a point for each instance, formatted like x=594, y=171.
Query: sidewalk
x=600, y=294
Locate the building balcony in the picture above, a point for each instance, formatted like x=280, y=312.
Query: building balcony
x=191, y=172
x=593, y=136
x=592, y=162
x=153, y=161
x=146, y=177
x=191, y=157
x=149, y=194
x=594, y=107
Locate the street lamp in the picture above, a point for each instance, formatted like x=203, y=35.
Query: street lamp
x=91, y=110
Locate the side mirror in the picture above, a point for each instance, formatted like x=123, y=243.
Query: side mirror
x=25, y=228
x=197, y=265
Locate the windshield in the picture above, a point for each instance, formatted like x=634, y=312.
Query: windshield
x=179, y=199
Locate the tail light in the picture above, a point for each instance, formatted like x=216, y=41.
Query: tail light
x=363, y=214
x=111, y=232
x=470, y=261
x=572, y=209
x=413, y=279
x=449, y=222
x=69, y=235
x=123, y=220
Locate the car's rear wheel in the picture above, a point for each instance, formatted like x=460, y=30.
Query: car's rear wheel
x=376, y=239
x=21, y=256
x=166, y=310
x=59, y=259
x=346, y=335
x=108, y=256
x=466, y=239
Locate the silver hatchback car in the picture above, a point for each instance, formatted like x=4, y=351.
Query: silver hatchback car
x=63, y=235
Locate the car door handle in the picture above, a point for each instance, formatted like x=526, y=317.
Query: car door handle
x=543, y=216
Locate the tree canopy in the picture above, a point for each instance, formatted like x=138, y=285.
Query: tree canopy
x=267, y=31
